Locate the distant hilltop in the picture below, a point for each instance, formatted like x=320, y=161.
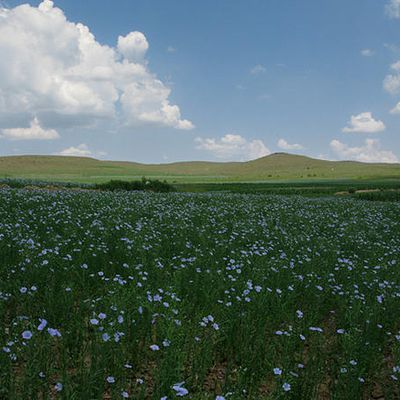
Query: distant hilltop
x=275, y=167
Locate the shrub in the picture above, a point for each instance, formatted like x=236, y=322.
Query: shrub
x=143, y=185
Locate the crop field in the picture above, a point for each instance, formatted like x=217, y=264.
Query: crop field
x=198, y=296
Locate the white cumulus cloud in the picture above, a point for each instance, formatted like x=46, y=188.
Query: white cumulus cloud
x=233, y=147
x=370, y=151
x=133, y=46
x=81, y=150
x=33, y=132
x=393, y=8
x=52, y=67
x=283, y=144
x=364, y=123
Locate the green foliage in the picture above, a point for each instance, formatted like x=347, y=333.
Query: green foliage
x=308, y=189
x=381, y=195
x=143, y=185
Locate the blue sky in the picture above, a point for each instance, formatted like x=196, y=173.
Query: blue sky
x=248, y=78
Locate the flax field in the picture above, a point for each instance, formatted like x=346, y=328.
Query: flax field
x=197, y=296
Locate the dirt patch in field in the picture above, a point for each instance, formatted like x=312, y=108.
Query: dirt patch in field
x=215, y=378
x=341, y=193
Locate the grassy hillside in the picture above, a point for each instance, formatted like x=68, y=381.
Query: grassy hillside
x=276, y=167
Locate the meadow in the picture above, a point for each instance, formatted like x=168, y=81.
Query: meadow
x=198, y=295
x=278, y=167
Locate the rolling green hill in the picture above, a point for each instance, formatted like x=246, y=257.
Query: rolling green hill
x=275, y=167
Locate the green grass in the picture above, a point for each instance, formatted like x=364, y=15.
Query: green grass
x=228, y=286
x=276, y=167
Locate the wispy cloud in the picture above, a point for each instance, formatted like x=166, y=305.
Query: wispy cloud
x=367, y=52
x=393, y=9
x=258, y=69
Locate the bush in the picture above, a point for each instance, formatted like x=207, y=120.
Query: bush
x=143, y=185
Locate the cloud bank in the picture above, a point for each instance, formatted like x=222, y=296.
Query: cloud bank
x=370, y=152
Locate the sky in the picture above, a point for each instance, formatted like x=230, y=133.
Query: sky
x=162, y=81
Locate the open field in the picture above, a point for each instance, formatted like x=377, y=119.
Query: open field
x=276, y=167
x=150, y=296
